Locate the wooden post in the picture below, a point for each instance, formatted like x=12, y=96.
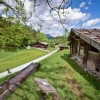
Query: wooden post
x=71, y=48
x=85, y=58
x=56, y=96
x=43, y=96
x=78, y=47
x=74, y=47
x=8, y=70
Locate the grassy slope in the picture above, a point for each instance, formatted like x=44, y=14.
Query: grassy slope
x=13, y=59
x=51, y=48
x=70, y=81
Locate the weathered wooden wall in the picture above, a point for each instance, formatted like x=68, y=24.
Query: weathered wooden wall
x=39, y=45
x=93, y=61
x=74, y=47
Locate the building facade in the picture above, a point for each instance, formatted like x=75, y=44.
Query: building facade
x=85, y=48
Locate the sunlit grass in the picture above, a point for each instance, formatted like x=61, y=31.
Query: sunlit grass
x=13, y=59
x=52, y=48
x=69, y=79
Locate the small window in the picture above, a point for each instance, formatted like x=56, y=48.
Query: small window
x=97, y=69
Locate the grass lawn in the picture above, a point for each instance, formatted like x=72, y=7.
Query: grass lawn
x=52, y=48
x=70, y=81
x=14, y=59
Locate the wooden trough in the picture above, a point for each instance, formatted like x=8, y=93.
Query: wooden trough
x=10, y=85
x=46, y=87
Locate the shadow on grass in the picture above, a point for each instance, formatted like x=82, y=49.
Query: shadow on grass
x=91, y=79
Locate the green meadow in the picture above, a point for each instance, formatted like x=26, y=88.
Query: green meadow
x=69, y=79
x=9, y=59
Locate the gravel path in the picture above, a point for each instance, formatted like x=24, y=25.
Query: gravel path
x=16, y=69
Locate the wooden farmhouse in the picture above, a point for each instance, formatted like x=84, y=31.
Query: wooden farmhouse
x=62, y=47
x=85, y=48
x=42, y=45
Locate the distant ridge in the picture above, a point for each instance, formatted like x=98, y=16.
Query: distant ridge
x=49, y=36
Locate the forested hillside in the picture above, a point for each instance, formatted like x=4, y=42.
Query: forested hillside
x=16, y=34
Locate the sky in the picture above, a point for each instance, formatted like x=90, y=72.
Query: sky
x=80, y=14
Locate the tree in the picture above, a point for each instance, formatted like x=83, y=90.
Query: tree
x=51, y=44
x=17, y=33
x=60, y=40
x=39, y=36
x=14, y=35
x=18, y=9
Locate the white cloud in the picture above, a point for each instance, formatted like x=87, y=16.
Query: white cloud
x=89, y=1
x=27, y=5
x=1, y=7
x=75, y=15
x=85, y=7
x=82, y=5
x=92, y=22
x=3, y=15
x=98, y=27
x=69, y=17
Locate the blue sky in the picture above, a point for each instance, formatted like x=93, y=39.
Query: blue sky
x=93, y=7
x=82, y=13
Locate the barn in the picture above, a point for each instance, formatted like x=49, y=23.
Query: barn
x=85, y=48
x=42, y=45
x=62, y=47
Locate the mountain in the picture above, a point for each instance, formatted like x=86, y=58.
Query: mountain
x=49, y=36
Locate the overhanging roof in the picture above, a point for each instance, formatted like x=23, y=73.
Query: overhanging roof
x=91, y=36
x=45, y=43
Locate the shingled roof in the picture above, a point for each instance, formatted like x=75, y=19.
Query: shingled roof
x=91, y=36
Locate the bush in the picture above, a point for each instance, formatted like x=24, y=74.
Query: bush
x=51, y=44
